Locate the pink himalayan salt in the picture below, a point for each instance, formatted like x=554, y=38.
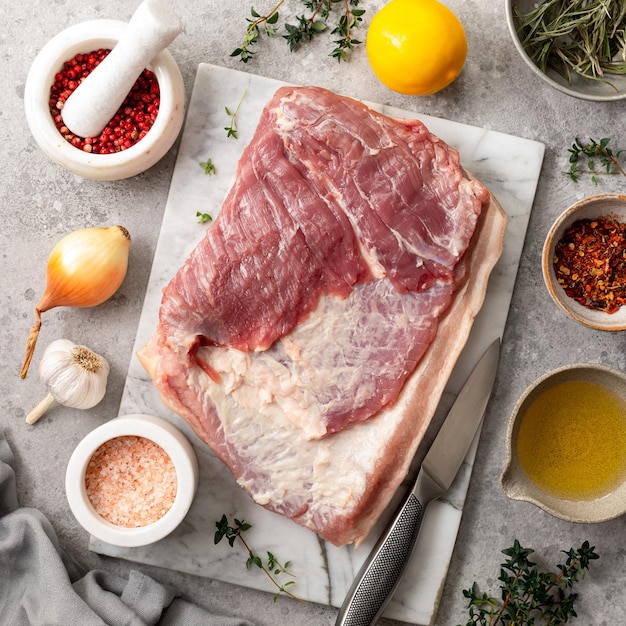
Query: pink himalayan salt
x=131, y=481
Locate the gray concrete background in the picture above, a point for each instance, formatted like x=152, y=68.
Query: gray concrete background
x=41, y=202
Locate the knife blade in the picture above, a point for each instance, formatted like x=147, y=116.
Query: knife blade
x=381, y=572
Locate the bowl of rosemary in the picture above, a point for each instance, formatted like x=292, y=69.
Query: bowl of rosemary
x=576, y=46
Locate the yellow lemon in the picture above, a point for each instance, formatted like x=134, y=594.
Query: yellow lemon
x=416, y=47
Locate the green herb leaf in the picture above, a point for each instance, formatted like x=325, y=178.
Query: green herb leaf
x=208, y=167
x=203, y=218
x=584, y=37
x=231, y=131
x=306, y=27
x=528, y=595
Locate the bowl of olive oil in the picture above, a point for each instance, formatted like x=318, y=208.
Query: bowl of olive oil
x=566, y=444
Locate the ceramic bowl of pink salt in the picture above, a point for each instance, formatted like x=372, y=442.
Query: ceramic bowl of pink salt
x=131, y=481
x=141, y=132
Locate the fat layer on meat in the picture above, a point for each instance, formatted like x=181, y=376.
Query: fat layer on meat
x=299, y=333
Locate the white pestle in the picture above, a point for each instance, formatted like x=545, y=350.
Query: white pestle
x=95, y=101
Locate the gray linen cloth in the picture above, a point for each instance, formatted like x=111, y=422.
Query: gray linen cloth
x=40, y=586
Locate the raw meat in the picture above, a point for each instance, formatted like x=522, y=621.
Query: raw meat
x=304, y=325
x=329, y=196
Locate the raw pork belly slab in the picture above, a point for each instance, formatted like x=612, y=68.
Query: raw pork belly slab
x=308, y=337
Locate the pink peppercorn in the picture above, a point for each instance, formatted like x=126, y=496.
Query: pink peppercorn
x=131, y=122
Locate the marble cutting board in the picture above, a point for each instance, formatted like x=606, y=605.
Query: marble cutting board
x=509, y=166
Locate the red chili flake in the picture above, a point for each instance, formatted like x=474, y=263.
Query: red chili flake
x=590, y=263
x=129, y=125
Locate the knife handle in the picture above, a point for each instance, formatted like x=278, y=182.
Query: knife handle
x=380, y=574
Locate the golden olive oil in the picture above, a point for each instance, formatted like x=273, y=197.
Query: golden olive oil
x=572, y=441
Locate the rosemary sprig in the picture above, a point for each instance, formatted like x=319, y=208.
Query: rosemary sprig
x=598, y=158
x=529, y=596
x=584, y=37
x=231, y=130
x=306, y=27
x=272, y=568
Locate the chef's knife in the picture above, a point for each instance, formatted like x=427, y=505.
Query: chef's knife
x=380, y=574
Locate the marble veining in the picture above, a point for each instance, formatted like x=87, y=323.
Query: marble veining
x=508, y=165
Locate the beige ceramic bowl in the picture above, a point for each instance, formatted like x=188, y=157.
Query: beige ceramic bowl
x=583, y=88
x=86, y=37
x=591, y=207
x=518, y=486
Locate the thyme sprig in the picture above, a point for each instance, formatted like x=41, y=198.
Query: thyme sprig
x=306, y=27
x=530, y=596
x=232, y=130
x=208, y=166
x=584, y=37
x=349, y=21
x=253, y=31
x=272, y=567
x=597, y=157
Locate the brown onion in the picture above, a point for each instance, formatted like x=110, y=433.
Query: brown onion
x=85, y=268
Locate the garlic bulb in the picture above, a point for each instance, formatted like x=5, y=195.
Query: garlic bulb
x=73, y=375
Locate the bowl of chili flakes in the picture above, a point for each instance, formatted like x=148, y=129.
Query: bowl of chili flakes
x=584, y=262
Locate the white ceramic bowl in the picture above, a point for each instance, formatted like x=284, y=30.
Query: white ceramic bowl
x=591, y=207
x=83, y=38
x=162, y=433
x=579, y=87
x=518, y=486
